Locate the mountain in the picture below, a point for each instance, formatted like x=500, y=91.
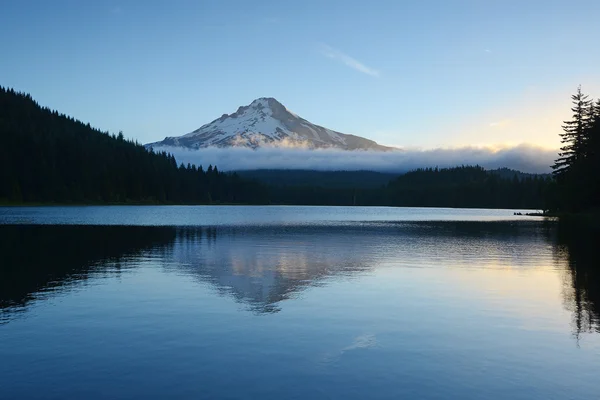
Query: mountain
x=266, y=122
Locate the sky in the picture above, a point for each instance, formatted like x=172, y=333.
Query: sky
x=414, y=74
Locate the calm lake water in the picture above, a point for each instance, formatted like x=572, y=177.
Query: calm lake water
x=296, y=302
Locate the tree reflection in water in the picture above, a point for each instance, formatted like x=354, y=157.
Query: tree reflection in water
x=261, y=267
x=578, y=244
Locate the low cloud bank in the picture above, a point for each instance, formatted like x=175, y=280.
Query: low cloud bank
x=525, y=158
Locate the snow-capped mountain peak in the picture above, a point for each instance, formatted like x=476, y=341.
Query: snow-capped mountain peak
x=266, y=122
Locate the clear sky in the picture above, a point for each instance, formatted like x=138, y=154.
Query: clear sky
x=405, y=73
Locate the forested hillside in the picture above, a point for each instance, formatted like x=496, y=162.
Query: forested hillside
x=49, y=157
x=468, y=186
x=330, y=179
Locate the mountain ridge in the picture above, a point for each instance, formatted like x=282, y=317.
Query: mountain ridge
x=266, y=122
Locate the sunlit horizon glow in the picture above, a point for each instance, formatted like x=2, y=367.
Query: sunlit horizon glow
x=435, y=75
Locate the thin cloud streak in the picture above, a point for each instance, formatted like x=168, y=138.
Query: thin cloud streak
x=525, y=158
x=351, y=62
x=501, y=124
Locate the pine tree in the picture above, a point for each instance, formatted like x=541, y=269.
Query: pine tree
x=593, y=157
x=576, y=169
x=573, y=137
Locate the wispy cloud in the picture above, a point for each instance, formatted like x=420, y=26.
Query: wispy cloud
x=344, y=58
x=501, y=124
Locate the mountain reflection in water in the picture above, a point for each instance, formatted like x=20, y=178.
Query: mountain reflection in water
x=261, y=267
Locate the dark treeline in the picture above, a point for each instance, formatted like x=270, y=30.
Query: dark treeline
x=50, y=157
x=577, y=170
x=330, y=179
x=466, y=186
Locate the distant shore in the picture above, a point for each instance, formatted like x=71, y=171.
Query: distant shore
x=151, y=203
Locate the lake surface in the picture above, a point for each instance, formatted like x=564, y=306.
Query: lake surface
x=296, y=302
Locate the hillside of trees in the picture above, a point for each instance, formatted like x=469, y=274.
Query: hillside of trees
x=47, y=157
x=331, y=179
x=468, y=186
x=465, y=186
x=508, y=173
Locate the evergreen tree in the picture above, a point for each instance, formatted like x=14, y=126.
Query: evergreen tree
x=574, y=135
x=592, y=167
x=577, y=168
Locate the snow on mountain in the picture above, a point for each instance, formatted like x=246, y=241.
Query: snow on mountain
x=266, y=122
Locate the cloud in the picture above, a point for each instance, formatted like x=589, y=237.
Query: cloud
x=351, y=62
x=526, y=158
x=501, y=124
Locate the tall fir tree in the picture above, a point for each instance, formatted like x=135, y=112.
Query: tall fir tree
x=593, y=157
x=574, y=135
x=576, y=169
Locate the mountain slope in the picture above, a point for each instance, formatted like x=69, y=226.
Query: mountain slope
x=266, y=122
x=47, y=157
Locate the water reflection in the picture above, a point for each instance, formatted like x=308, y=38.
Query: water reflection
x=261, y=267
x=37, y=261
x=578, y=244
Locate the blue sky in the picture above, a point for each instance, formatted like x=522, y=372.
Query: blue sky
x=407, y=73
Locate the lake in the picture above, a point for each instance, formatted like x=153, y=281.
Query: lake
x=296, y=302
